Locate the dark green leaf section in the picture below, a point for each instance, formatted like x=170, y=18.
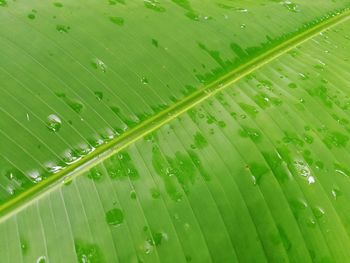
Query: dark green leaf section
x=257, y=173
x=77, y=74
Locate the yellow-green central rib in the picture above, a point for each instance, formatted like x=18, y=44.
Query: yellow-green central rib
x=165, y=116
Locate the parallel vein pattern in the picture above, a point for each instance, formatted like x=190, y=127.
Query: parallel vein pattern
x=76, y=74
x=258, y=173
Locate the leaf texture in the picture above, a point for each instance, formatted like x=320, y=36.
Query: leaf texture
x=257, y=172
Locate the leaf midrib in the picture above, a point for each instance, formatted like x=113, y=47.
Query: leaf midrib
x=119, y=143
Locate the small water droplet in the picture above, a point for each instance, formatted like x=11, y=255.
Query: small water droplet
x=35, y=176
x=158, y=237
x=114, y=217
x=53, y=123
x=99, y=64
x=292, y=7
x=155, y=193
x=62, y=28
x=154, y=5
x=147, y=247
x=154, y=42
x=24, y=246
x=133, y=194
x=57, y=4
x=94, y=174
x=311, y=179
x=241, y=10
x=292, y=85
x=31, y=16
x=87, y=252
x=117, y=20
x=336, y=192
x=319, y=212
x=144, y=80
x=41, y=259
x=99, y=95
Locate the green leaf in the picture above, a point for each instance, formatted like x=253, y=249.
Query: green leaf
x=174, y=131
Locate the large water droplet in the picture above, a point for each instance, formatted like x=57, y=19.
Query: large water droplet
x=99, y=64
x=53, y=123
x=41, y=259
x=114, y=217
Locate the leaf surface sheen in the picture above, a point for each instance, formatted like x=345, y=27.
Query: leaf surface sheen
x=174, y=131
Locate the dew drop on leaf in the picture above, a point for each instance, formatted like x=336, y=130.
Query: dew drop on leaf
x=292, y=85
x=53, y=123
x=99, y=64
x=41, y=259
x=144, y=80
x=99, y=95
x=117, y=20
x=62, y=28
x=292, y=7
x=57, y=4
x=114, y=217
x=31, y=16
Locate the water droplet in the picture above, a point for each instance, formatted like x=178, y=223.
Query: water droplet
x=62, y=28
x=35, y=176
x=133, y=194
x=117, y=20
x=10, y=190
x=24, y=246
x=155, y=193
x=57, y=4
x=114, y=217
x=147, y=247
x=41, y=259
x=87, y=253
x=188, y=258
x=144, y=80
x=318, y=212
x=292, y=85
x=243, y=26
x=154, y=42
x=154, y=5
x=99, y=64
x=199, y=140
x=53, y=123
x=291, y=6
x=94, y=174
x=31, y=16
x=114, y=2
x=253, y=134
x=339, y=168
x=257, y=170
x=311, y=179
x=53, y=168
x=99, y=95
x=157, y=238
x=336, y=192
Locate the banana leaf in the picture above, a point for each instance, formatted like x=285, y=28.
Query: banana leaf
x=174, y=131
